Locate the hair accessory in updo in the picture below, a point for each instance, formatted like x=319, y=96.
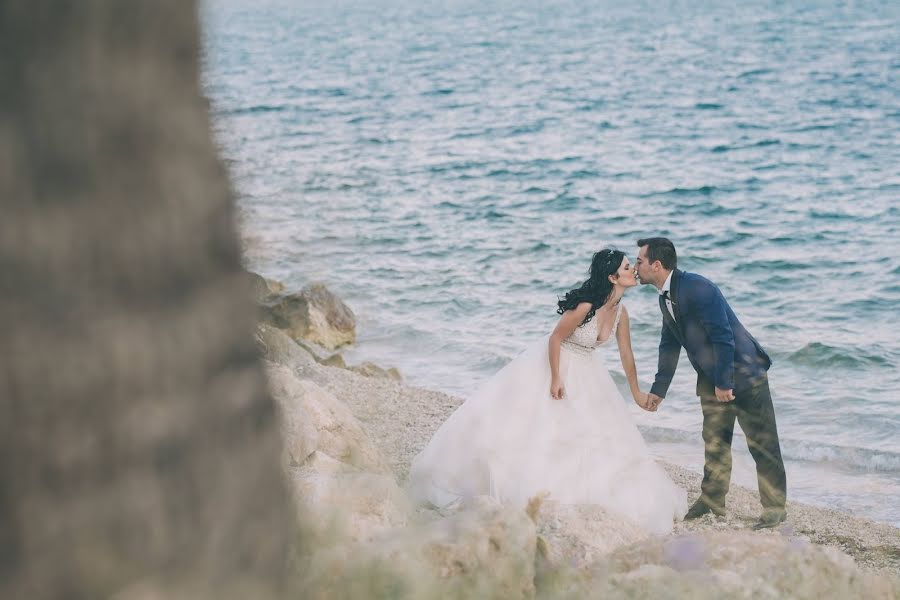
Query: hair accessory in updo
x=597, y=288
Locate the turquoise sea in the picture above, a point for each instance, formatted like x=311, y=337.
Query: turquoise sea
x=448, y=168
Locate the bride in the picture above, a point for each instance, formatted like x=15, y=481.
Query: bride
x=553, y=420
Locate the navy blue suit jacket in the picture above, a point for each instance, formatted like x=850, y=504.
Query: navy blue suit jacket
x=723, y=353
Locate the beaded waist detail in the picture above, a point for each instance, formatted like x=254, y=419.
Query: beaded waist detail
x=577, y=348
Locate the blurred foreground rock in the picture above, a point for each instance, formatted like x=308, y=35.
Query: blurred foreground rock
x=735, y=564
x=574, y=535
x=480, y=550
x=342, y=505
x=139, y=447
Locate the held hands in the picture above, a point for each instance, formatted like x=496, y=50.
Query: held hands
x=643, y=400
x=640, y=398
x=557, y=389
x=653, y=402
x=724, y=395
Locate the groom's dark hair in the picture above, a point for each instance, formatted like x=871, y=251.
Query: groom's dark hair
x=660, y=249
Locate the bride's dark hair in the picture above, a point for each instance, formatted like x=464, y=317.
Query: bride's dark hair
x=598, y=287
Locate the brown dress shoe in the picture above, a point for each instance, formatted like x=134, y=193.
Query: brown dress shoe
x=770, y=518
x=700, y=508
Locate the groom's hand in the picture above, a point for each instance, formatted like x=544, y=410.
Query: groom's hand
x=724, y=395
x=653, y=402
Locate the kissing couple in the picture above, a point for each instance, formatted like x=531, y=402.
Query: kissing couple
x=553, y=421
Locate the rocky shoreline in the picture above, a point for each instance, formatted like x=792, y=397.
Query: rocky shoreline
x=350, y=436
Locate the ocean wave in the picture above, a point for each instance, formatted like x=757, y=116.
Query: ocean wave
x=736, y=238
x=592, y=105
x=703, y=190
x=760, y=144
x=817, y=354
x=755, y=73
x=863, y=459
x=449, y=205
x=257, y=109
x=696, y=259
x=876, y=305
x=772, y=265
x=535, y=190
x=814, y=128
x=465, y=135
x=859, y=459
x=710, y=209
x=776, y=280
x=456, y=166
x=776, y=326
x=565, y=202
x=486, y=215
x=526, y=129
x=829, y=215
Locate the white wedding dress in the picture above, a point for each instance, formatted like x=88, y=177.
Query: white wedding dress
x=512, y=441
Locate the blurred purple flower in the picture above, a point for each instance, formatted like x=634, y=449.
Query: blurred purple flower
x=685, y=553
x=786, y=530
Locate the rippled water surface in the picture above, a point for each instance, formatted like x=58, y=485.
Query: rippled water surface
x=449, y=167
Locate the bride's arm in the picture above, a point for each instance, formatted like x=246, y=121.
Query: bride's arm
x=623, y=338
x=568, y=322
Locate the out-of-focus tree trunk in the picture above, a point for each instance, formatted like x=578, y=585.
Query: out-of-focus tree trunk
x=139, y=452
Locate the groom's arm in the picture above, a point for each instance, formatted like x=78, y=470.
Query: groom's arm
x=711, y=307
x=669, y=351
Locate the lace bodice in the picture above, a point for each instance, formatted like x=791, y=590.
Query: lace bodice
x=584, y=339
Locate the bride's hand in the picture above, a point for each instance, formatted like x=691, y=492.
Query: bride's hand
x=557, y=389
x=643, y=400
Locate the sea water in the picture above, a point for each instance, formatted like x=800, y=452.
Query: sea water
x=448, y=168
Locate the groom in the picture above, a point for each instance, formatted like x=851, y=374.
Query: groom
x=731, y=379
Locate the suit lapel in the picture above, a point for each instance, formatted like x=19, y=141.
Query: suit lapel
x=676, y=297
x=673, y=324
x=664, y=310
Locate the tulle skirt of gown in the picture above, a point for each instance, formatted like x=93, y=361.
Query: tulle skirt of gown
x=512, y=440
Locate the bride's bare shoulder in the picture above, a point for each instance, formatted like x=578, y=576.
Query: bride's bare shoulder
x=578, y=313
x=623, y=315
x=582, y=308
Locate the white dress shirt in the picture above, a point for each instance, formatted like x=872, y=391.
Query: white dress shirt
x=667, y=286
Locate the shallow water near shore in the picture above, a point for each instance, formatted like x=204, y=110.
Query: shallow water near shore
x=449, y=168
